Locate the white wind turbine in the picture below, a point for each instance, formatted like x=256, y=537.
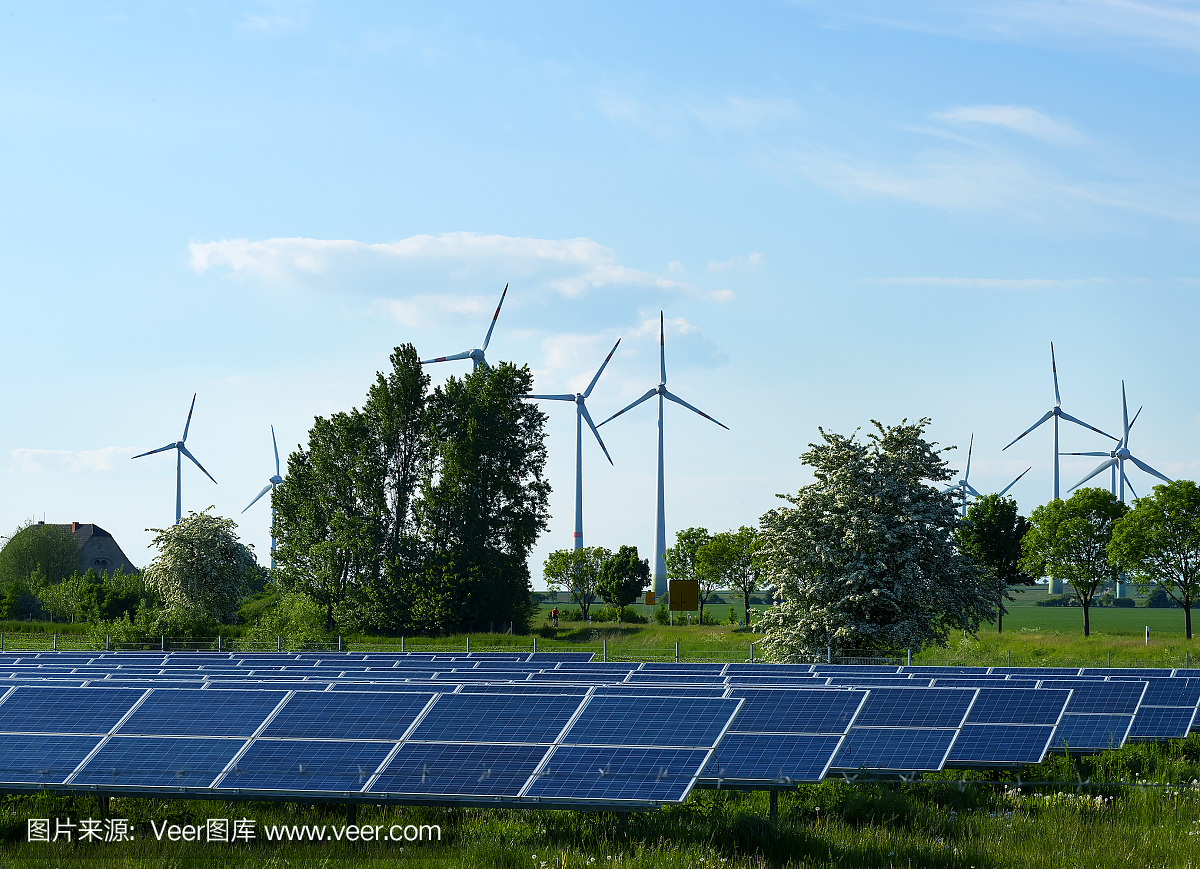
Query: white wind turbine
x=181, y=450
x=476, y=356
x=1056, y=412
x=1118, y=457
x=965, y=488
x=581, y=415
x=660, y=531
x=270, y=487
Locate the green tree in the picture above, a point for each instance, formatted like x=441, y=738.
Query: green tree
x=623, y=578
x=1069, y=540
x=681, y=559
x=577, y=571
x=49, y=548
x=296, y=619
x=864, y=556
x=1158, y=544
x=992, y=535
x=750, y=566
x=200, y=573
x=719, y=563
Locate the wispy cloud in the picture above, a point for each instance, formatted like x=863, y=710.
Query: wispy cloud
x=1021, y=119
x=36, y=461
x=750, y=260
x=991, y=283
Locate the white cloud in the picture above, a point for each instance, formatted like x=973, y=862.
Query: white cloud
x=35, y=461
x=750, y=260
x=1024, y=120
x=992, y=283
x=570, y=266
x=721, y=295
x=424, y=310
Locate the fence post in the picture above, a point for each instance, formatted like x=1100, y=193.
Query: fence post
x=535, y=645
x=829, y=653
x=1110, y=659
x=604, y=650
x=55, y=640
x=278, y=642
x=162, y=640
x=468, y=644
x=218, y=642
x=677, y=651
x=401, y=643
x=339, y=642
x=752, y=653
x=1187, y=656
x=1010, y=657
x=1, y=642
x=105, y=643
x=1147, y=635
x=910, y=657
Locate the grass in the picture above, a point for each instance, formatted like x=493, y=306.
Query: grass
x=942, y=821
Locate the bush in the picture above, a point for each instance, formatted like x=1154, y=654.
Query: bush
x=610, y=614
x=1159, y=599
x=296, y=618
x=1059, y=600
x=661, y=615
x=1124, y=602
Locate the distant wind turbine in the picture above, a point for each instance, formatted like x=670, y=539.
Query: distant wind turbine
x=660, y=535
x=1056, y=412
x=581, y=414
x=181, y=450
x=1004, y=491
x=962, y=486
x=270, y=487
x=1118, y=457
x=476, y=356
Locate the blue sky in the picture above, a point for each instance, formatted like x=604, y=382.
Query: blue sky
x=848, y=210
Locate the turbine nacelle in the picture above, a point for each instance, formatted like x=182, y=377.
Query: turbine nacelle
x=1121, y=453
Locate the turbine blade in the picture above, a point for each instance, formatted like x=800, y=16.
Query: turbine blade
x=268, y=488
x=159, y=450
x=592, y=385
x=588, y=418
x=1124, y=416
x=1149, y=470
x=971, y=447
x=1131, y=422
x=678, y=400
x=951, y=489
x=466, y=354
x=1070, y=418
x=1048, y=414
x=973, y=491
x=1014, y=482
x=487, y=339
x=188, y=424
x=275, y=444
x=650, y=394
x=1054, y=370
x=1129, y=484
x=1085, y=454
x=552, y=397
x=184, y=450
x=662, y=347
x=1103, y=467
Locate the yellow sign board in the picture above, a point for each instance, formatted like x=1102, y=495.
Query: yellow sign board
x=684, y=595
x=649, y=598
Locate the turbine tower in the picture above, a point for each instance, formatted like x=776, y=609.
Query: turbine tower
x=581, y=414
x=181, y=450
x=1118, y=457
x=476, y=356
x=660, y=522
x=270, y=487
x=1056, y=412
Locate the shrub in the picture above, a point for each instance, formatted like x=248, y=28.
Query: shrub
x=661, y=615
x=1124, y=602
x=1159, y=599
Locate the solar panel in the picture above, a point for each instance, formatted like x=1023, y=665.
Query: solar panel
x=1162, y=722
x=920, y=670
x=1000, y=745
x=603, y=773
x=891, y=749
x=496, y=718
x=689, y=678
x=158, y=762
x=1103, y=697
x=915, y=707
x=853, y=669
x=782, y=758
x=665, y=721
x=31, y=709
x=196, y=712
x=1018, y=706
x=627, y=690
x=346, y=715
x=460, y=770
x=304, y=765
x=26, y=759
x=1089, y=733
x=1172, y=692
x=774, y=710
x=524, y=688
x=879, y=681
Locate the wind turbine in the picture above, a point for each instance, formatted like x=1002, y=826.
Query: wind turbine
x=270, y=487
x=476, y=356
x=964, y=488
x=1004, y=491
x=181, y=450
x=1118, y=457
x=1056, y=412
x=581, y=414
x=660, y=535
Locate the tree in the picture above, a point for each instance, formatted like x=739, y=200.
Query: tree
x=745, y=577
x=49, y=548
x=864, y=557
x=719, y=561
x=1158, y=544
x=623, y=578
x=681, y=559
x=1069, y=540
x=992, y=535
x=296, y=619
x=578, y=572
x=201, y=571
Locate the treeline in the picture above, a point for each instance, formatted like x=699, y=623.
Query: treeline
x=416, y=513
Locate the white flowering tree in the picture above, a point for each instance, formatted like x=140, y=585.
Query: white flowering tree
x=201, y=573
x=864, y=556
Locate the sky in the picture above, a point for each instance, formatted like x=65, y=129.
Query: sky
x=847, y=210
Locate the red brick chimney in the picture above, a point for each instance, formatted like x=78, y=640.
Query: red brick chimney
x=74, y=527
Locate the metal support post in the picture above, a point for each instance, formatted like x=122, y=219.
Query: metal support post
x=535, y=645
x=468, y=644
x=829, y=653
x=219, y=643
x=1110, y=658
x=1187, y=656
x=339, y=642
x=54, y=639
x=910, y=657
x=278, y=642
x=1, y=642
x=1010, y=657
x=352, y=814
x=162, y=642
x=752, y=653
x=1147, y=635
x=402, y=644
x=604, y=650
x=106, y=643
x=774, y=805
x=677, y=651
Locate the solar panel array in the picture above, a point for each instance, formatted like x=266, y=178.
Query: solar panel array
x=542, y=729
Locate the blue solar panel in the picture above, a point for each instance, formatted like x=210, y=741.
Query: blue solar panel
x=774, y=710
x=767, y=669
x=1038, y=671
x=854, y=669
x=159, y=762
x=1172, y=692
x=894, y=749
x=1000, y=744
x=600, y=773
x=982, y=682
x=42, y=759
x=915, y=707
x=682, y=669
x=31, y=709
x=798, y=681
x=301, y=765
x=783, y=758
x=517, y=688
x=173, y=712
x=1081, y=733
x=1103, y=697
x=879, y=681
x=346, y=715
x=665, y=721
x=496, y=718
x=946, y=671
x=551, y=657
x=463, y=770
x=1162, y=722
x=1018, y=706
x=627, y=690
x=688, y=679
